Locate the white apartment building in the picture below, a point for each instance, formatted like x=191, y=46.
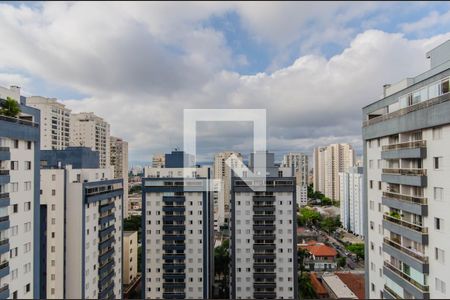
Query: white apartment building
x=299, y=163
x=222, y=172
x=351, y=189
x=89, y=130
x=177, y=232
x=328, y=162
x=119, y=160
x=263, y=237
x=55, y=122
x=407, y=166
x=81, y=233
x=19, y=201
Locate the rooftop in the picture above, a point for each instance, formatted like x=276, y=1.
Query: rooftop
x=355, y=282
x=337, y=286
x=319, y=249
x=319, y=289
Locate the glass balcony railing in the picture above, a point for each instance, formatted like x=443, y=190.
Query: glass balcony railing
x=423, y=288
x=405, y=145
x=392, y=293
x=414, y=254
x=415, y=227
x=406, y=198
x=406, y=172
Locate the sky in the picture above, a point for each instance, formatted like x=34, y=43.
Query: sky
x=312, y=66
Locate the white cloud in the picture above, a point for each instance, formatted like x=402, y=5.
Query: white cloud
x=142, y=64
x=433, y=19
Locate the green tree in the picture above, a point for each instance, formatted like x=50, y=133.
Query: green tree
x=341, y=262
x=358, y=249
x=330, y=224
x=133, y=223
x=135, y=189
x=9, y=108
x=221, y=268
x=305, y=287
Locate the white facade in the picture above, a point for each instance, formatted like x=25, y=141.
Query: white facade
x=178, y=236
x=55, y=122
x=89, y=130
x=328, y=162
x=119, y=160
x=19, y=203
x=351, y=189
x=302, y=195
x=406, y=146
x=263, y=239
x=84, y=246
x=223, y=172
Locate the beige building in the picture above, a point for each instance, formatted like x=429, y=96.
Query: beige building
x=55, y=122
x=158, y=161
x=328, y=162
x=119, y=160
x=89, y=130
x=130, y=256
x=222, y=172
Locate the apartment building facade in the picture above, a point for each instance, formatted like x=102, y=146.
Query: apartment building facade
x=328, y=162
x=351, y=208
x=406, y=136
x=299, y=163
x=263, y=236
x=81, y=233
x=177, y=231
x=89, y=130
x=55, y=122
x=19, y=200
x=119, y=161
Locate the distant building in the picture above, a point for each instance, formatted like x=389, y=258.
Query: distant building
x=323, y=257
x=89, y=130
x=119, y=160
x=328, y=162
x=158, y=161
x=55, y=122
x=351, y=189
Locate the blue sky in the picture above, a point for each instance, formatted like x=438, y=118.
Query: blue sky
x=139, y=65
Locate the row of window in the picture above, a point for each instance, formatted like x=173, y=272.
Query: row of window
x=15, y=165
x=16, y=144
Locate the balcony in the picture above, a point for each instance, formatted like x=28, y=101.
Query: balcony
x=4, y=269
x=411, y=231
x=4, y=246
x=19, y=121
x=413, y=204
x=413, y=287
x=390, y=294
x=415, y=149
x=4, y=199
x=264, y=295
x=408, y=256
x=4, y=222
x=4, y=292
x=173, y=295
x=270, y=217
x=414, y=177
x=4, y=153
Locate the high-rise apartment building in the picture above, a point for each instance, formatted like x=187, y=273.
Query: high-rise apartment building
x=223, y=173
x=89, y=130
x=55, y=122
x=351, y=189
x=177, y=231
x=406, y=153
x=263, y=235
x=299, y=163
x=19, y=200
x=119, y=160
x=328, y=162
x=81, y=226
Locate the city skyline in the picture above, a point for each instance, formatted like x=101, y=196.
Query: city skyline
x=247, y=49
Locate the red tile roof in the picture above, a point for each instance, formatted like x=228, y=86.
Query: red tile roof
x=318, y=249
x=319, y=289
x=355, y=282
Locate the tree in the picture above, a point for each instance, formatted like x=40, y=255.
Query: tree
x=221, y=268
x=330, y=224
x=133, y=223
x=341, y=262
x=358, y=249
x=10, y=108
x=309, y=216
x=305, y=287
x=135, y=189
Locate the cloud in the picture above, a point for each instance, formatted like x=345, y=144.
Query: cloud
x=140, y=65
x=433, y=19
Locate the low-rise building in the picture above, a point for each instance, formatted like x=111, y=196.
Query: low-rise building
x=322, y=257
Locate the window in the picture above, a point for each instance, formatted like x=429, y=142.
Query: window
x=438, y=193
x=379, y=185
x=53, y=192
x=437, y=133
x=27, y=247
x=371, y=204
x=437, y=161
x=379, y=164
x=16, y=144
x=14, y=274
x=27, y=267
x=15, y=208
x=27, y=288
x=28, y=145
x=440, y=285
x=27, y=165
x=27, y=206
x=438, y=223
x=370, y=164
x=371, y=184
x=439, y=255
x=27, y=185
x=14, y=186
x=445, y=86
x=14, y=165
x=14, y=230
x=53, y=177
x=27, y=226
x=371, y=225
